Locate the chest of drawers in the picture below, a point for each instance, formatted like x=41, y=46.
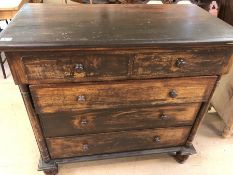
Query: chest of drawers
x=110, y=81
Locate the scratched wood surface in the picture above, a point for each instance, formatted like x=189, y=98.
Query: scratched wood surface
x=41, y=26
x=98, y=121
x=61, y=147
x=99, y=79
x=60, y=67
x=76, y=97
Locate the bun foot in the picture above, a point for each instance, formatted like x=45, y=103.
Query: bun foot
x=51, y=172
x=227, y=132
x=180, y=158
x=49, y=168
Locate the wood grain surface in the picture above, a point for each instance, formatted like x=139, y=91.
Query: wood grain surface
x=109, y=120
x=61, y=67
x=41, y=26
x=76, y=97
x=61, y=147
x=179, y=63
x=115, y=80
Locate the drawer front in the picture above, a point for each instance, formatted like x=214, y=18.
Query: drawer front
x=61, y=147
x=84, y=66
x=109, y=120
x=70, y=97
x=72, y=67
x=173, y=64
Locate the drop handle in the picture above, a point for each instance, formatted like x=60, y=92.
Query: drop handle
x=180, y=62
x=156, y=139
x=173, y=93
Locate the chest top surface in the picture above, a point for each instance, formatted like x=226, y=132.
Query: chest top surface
x=40, y=25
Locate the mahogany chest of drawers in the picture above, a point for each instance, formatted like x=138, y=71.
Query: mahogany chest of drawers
x=107, y=81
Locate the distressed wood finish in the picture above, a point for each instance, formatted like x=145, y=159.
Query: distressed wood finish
x=16, y=67
x=96, y=66
x=97, y=121
x=67, y=98
x=116, y=142
x=113, y=81
x=52, y=165
x=76, y=66
x=115, y=26
x=35, y=123
x=188, y=63
x=200, y=116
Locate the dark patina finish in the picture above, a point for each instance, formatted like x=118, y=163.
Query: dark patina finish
x=108, y=81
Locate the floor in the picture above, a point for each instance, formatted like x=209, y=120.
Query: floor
x=19, y=153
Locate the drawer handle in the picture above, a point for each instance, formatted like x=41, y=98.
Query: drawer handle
x=81, y=98
x=85, y=147
x=180, y=62
x=79, y=67
x=173, y=93
x=84, y=122
x=76, y=71
x=156, y=139
x=164, y=117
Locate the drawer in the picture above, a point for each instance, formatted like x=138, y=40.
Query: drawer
x=60, y=147
x=54, y=98
x=110, y=120
x=72, y=66
x=172, y=64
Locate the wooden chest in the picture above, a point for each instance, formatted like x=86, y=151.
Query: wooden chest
x=107, y=81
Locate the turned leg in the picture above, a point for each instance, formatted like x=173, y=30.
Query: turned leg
x=181, y=158
x=49, y=168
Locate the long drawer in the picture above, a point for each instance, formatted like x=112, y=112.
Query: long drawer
x=52, y=98
x=58, y=67
x=109, y=120
x=60, y=147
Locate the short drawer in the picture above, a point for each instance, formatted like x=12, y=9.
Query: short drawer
x=74, y=67
x=54, y=98
x=110, y=120
x=60, y=147
x=172, y=64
